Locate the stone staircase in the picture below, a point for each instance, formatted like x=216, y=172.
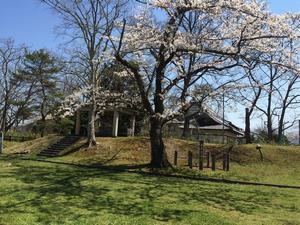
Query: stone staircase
x=61, y=145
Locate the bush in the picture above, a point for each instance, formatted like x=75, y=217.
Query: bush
x=65, y=126
x=61, y=126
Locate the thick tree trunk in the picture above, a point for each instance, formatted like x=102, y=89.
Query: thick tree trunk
x=159, y=157
x=186, y=127
x=281, y=127
x=247, y=127
x=3, y=122
x=270, y=129
x=43, y=126
x=3, y=127
x=280, y=135
x=91, y=124
x=93, y=106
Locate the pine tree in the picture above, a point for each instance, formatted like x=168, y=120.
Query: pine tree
x=41, y=68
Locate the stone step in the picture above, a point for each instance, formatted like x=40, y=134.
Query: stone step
x=49, y=152
x=62, y=145
x=47, y=155
x=52, y=150
x=58, y=147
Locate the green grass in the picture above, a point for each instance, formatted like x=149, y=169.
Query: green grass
x=281, y=164
x=34, y=192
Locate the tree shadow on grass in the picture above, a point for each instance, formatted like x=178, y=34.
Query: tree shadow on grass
x=59, y=193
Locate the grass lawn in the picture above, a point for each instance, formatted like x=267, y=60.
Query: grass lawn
x=34, y=192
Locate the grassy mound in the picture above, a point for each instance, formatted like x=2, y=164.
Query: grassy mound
x=281, y=164
x=30, y=147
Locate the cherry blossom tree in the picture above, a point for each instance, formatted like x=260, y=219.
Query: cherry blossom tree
x=224, y=35
x=87, y=23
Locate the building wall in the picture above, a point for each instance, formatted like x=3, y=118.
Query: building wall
x=209, y=136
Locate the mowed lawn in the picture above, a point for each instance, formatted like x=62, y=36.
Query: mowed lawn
x=33, y=192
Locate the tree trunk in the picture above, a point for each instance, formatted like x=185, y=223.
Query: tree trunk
x=280, y=134
x=269, y=110
x=43, y=126
x=281, y=127
x=270, y=129
x=4, y=117
x=186, y=127
x=159, y=157
x=91, y=125
x=247, y=127
x=3, y=122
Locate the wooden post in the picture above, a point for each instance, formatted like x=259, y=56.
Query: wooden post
x=201, y=157
x=1, y=141
x=208, y=159
x=247, y=126
x=228, y=161
x=213, y=161
x=175, y=158
x=190, y=159
x=224, y=161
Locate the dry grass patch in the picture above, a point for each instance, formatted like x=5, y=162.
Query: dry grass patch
x=30, y=147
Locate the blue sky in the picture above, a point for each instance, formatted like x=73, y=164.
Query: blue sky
x=28, y=22
x=281, y=6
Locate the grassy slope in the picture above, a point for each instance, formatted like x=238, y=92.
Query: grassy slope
x=49, y=193
x=281, y=164
x=32, y=147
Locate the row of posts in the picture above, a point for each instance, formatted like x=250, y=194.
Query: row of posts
x=210, y=159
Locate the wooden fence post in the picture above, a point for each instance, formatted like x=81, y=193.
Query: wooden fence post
x=213, y=161
x=228, y=161
x=201, y=155
x=190, y=159
x=1, y=142
x=224, y=161
x=208, y=159
x=175, y=158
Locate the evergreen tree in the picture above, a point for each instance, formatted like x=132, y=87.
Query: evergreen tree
x=41, y=68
